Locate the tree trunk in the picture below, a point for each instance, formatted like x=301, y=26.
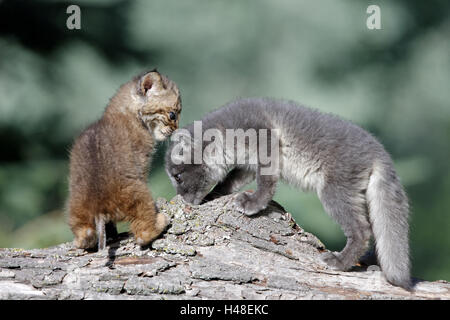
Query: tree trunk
x=208, y=252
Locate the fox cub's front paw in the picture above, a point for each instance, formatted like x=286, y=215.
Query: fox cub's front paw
x=333, y=261
x=245, y=203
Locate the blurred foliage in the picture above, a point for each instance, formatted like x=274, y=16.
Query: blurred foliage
x=393, y=82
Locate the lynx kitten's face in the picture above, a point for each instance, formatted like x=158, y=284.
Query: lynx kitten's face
x=161, y=104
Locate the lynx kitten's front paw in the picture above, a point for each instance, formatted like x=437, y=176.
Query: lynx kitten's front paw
x=162, y=221
x=246, y=204
x=151, y=232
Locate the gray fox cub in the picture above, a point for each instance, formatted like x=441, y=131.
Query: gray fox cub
x=347, y=167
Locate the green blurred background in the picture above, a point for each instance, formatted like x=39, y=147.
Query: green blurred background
x=394, y=82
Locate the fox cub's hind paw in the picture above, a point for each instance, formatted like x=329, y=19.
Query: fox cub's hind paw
x=247, y=204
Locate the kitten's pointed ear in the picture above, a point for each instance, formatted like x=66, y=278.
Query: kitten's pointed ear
x=149, y=83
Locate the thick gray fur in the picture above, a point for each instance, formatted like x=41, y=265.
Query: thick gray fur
x=346, y=166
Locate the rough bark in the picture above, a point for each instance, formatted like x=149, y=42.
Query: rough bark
x=208, y=252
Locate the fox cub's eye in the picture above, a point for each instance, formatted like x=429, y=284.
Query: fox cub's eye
x=177, y=177
x=172, y=116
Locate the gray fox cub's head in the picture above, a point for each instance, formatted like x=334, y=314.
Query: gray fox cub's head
x=191, y=181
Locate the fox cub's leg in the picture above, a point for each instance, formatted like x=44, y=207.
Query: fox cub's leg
x=348, y=208
x=233, y=182
x=251, y=203
x=146, y=222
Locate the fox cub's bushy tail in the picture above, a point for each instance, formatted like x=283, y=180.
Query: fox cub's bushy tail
x=389, y=214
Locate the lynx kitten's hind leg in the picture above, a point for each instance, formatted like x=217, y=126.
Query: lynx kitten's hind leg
x=85, y=237
x=83, y=227
x=349, y=210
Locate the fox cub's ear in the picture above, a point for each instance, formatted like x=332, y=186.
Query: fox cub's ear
x=150, y=83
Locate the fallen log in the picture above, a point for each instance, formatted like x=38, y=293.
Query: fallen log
x=208, y=252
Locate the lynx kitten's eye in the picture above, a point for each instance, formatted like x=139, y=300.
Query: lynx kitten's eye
x=172, y=116
x=177, y=177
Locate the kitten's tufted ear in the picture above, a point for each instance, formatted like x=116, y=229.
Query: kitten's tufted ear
x=150, y=83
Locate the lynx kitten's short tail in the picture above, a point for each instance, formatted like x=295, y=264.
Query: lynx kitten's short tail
x=101, y=233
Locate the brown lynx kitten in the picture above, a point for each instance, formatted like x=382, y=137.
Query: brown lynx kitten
x=110, y=160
